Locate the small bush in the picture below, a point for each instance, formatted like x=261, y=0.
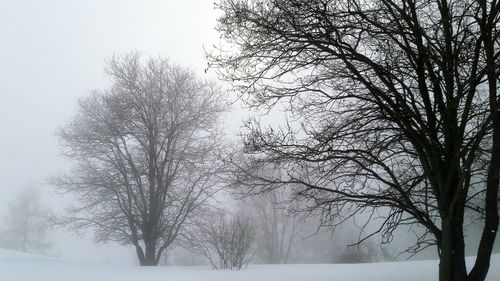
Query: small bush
x=228, y=242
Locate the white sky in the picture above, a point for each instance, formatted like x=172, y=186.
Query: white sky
x=54, y=51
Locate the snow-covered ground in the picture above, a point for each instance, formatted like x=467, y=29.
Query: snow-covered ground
x=24, y=267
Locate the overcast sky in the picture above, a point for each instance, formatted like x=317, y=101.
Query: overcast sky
x=54, y=51
x=51, y=53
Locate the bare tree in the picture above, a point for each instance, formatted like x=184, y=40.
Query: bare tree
x=26, y=224
x=276, y=226
x=396, y=105
x=146, y=152
x=225, y=242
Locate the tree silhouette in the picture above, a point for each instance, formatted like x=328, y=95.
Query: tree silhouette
x=392, y=104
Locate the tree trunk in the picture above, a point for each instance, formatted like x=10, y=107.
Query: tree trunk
x=491, y=222
x=482, y=264
x=25, y=230
x=150, y=257
x=452, y=251
x=139, y=252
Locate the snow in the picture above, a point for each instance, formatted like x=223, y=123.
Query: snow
x=25, y=267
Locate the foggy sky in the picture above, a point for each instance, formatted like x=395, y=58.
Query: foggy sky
x=53, y=52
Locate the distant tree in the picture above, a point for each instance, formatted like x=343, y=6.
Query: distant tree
x=393, y=104
x=147, y=154
x=26, y=223
x=276, y=226
x=365, y=252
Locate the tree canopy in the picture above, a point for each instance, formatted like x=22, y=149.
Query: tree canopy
x=146, y=153
x=392, y=104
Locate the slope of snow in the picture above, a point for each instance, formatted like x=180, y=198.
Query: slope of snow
x=24, y=267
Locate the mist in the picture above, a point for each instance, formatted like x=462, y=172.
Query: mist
x=64, y=63
x=54, y=53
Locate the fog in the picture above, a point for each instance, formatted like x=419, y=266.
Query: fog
x=54, y=52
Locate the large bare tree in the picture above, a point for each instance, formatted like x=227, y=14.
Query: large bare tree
x=395, y=104
x=147, y=154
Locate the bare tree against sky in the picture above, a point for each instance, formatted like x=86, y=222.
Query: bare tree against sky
x=392, y=104
x=147, y=154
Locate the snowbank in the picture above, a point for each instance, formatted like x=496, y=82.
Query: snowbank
x=24, y=267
